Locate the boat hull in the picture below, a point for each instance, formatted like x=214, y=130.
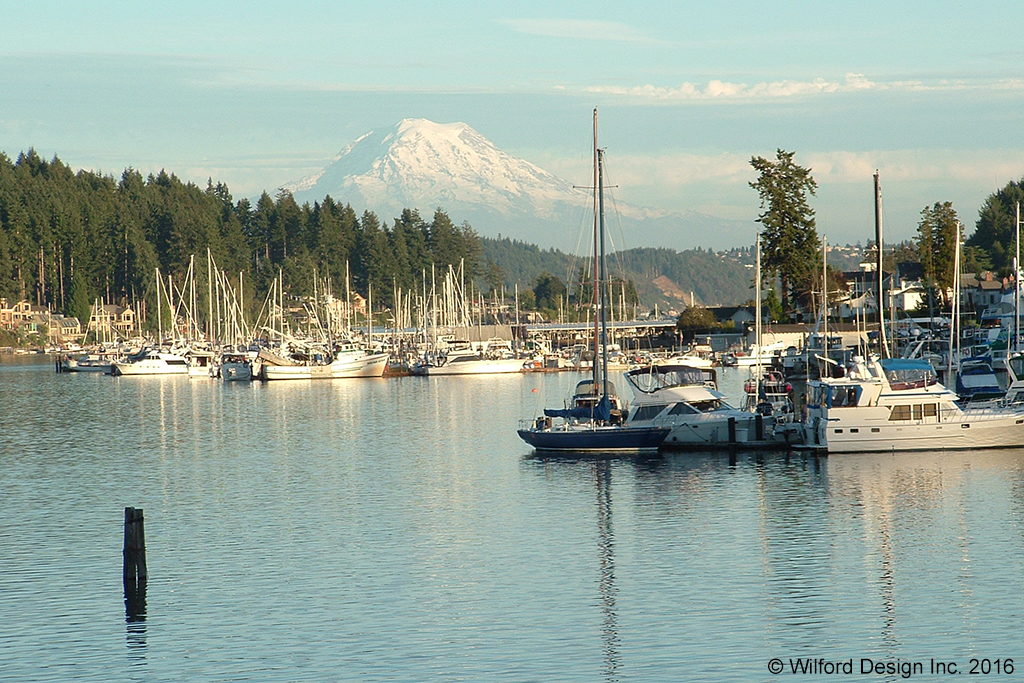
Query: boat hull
x=235, y=372
x=366, y=366
x=72, y=365
x=473, y=367
x=595, y=438
x=748, y=430
x=166, y=364
x=964, y=432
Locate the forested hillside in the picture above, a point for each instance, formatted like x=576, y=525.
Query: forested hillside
x=67, y=238
x=660, y=276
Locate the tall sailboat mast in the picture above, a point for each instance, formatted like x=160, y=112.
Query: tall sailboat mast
x=598, y=389
x=1016, y=286
x=757, y=313
x=603, y=276
x=882, y=343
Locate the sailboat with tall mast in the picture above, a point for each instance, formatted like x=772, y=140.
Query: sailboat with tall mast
x=591, y=423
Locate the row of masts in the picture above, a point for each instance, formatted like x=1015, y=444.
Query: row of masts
x=446, y=305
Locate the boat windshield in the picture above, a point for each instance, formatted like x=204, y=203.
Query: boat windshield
x=1016, y=364
x=651, y=378
x=711, y=405
x=908, y=373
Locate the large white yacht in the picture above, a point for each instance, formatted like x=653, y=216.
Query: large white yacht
x=899, y=405
x=466, y=361
x=151, y=362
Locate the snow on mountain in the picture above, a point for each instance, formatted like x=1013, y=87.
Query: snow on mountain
x=425, y=165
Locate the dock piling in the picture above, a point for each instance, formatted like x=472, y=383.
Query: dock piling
x=134, y=545
x=134, y=565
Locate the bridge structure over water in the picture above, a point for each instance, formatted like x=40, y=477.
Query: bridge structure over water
x=629, y=334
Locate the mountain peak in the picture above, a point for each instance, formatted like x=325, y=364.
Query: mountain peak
x=421, y=164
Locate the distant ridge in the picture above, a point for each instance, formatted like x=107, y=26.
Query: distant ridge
x=425, y=165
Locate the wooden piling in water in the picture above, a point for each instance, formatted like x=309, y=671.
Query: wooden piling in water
x=134, y=545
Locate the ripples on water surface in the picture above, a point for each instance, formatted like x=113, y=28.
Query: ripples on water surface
x=398, y=530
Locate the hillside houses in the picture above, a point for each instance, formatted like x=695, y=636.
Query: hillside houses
x=904, y=289
x=28, y=318
x=106, y=321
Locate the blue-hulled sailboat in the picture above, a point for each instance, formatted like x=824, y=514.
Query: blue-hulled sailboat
x=593, y=422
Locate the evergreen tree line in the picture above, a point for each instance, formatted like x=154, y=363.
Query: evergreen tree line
x=68, y=238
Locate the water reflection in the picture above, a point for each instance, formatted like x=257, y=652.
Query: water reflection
x=444, y=554
x=789, y=553
x=135, y=619
x=600, y=466
x=606, y=561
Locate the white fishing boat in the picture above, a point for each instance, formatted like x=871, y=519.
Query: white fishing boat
x=466, y=362
x=202, y=364
x=899, y=405
x=151, y=362
x=757, y=355
x=98, y=361
x=348, y=360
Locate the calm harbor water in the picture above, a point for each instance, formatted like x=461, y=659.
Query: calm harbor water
x=398, y=530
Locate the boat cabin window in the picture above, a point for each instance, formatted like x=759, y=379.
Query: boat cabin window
x=709, y=406
x=648, y=412
x=843, y=397
x=916, y=411
x=897, y=413
x=683, y=409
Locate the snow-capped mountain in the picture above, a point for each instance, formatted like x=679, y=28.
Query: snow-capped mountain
x=425, y=165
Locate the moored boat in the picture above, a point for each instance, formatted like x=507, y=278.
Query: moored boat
x=151, y=362
x=347, y=361
x=466, y=362
x=687, y=401
x=588, y=425
x=237, y=366
x=899, y=405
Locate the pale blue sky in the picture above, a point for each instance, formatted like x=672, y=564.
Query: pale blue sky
x=257, y=94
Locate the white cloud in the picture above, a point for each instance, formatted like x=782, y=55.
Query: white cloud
x=853, y=82
x=675, y=174
x=716, y=89
x=932, y=166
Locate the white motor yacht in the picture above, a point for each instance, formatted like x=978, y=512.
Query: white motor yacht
x=687, y=400
x=347, y=360
x=466, y=362
x=899, y=405
x=151, y=362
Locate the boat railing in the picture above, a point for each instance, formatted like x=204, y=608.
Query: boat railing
x=995, y=409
